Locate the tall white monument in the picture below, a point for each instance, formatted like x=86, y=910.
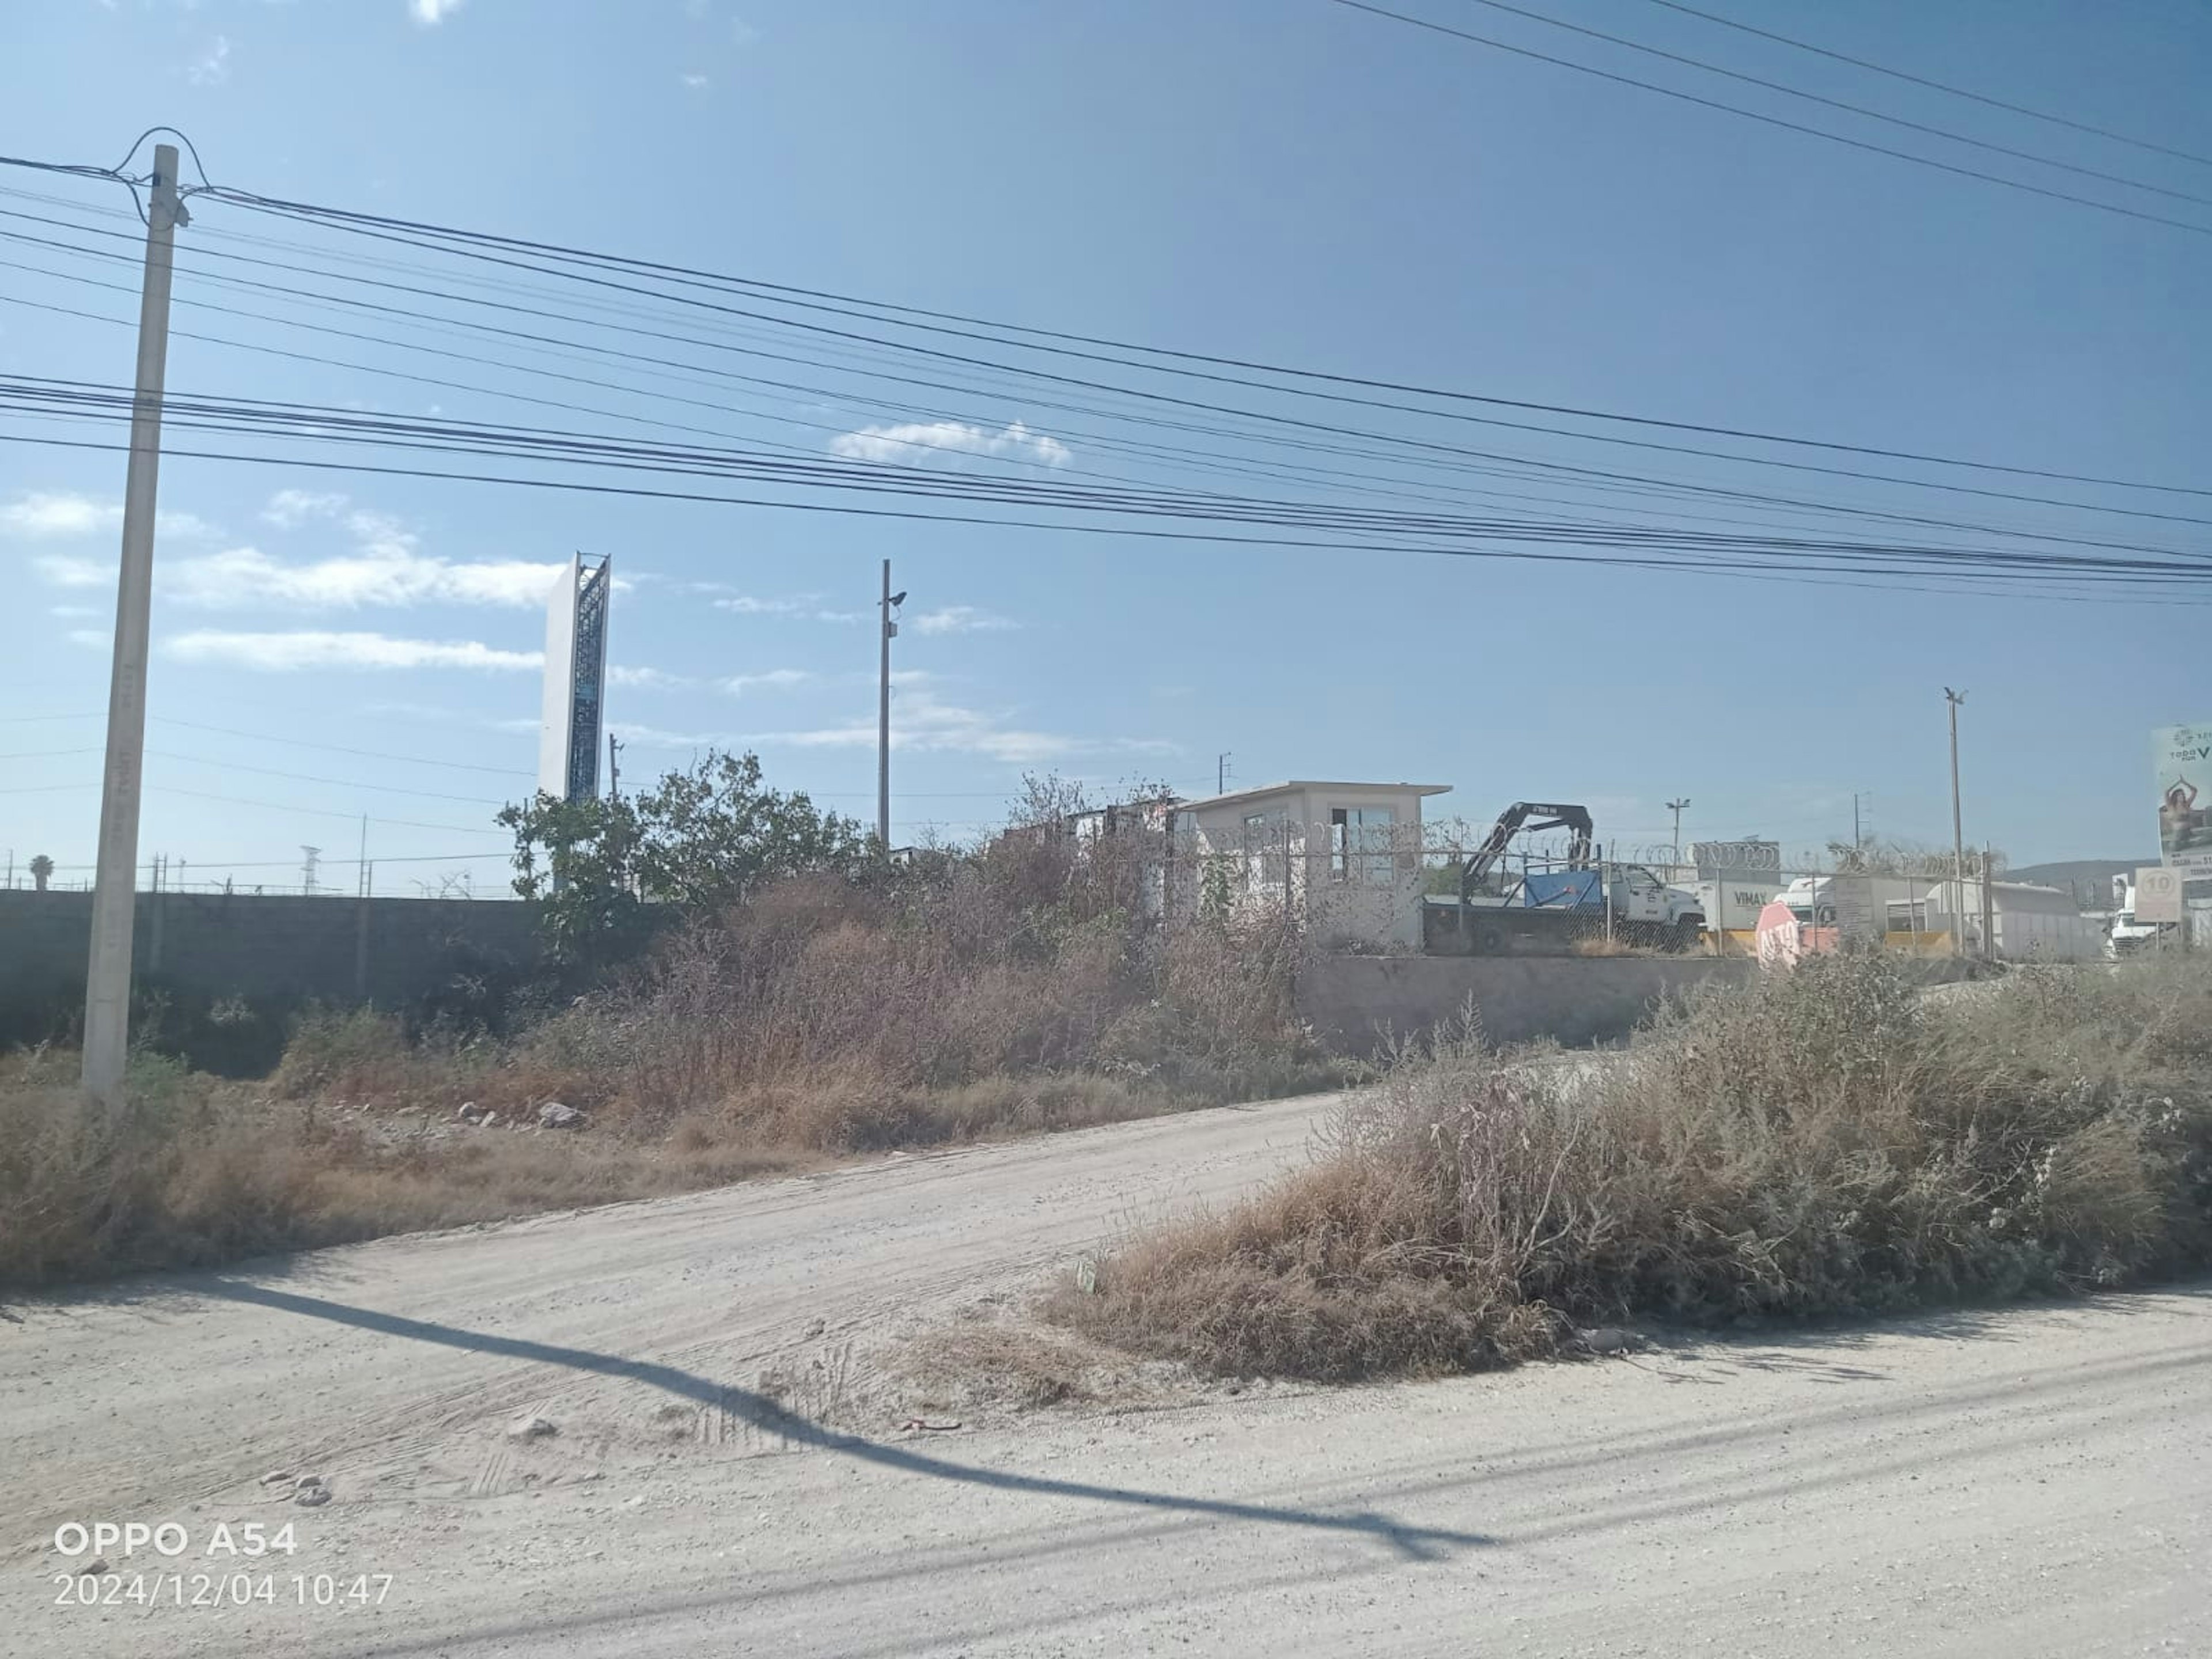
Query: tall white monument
x=575, y=679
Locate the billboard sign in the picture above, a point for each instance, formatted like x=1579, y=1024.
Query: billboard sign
x=2158, y=895
x=1859, y=920
x=2182, y=756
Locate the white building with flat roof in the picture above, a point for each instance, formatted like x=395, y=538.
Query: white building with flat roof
x=1342, y=858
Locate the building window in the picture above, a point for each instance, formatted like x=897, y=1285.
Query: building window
x=1361, y=842
x=1259, y=832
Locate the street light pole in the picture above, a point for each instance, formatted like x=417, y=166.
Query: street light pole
x=1958, y=833
x=1675, y=807
x=114, y=894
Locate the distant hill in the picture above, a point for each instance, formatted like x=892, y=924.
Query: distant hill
x=2092, y=879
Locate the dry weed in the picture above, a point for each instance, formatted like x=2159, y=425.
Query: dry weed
x=1821, y=1144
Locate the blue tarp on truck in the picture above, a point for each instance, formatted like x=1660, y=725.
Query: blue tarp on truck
x=1563, y=889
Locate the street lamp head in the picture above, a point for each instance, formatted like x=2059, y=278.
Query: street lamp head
x=899, y=597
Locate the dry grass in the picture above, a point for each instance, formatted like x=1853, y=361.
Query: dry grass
x=1011, y=993
x=201, y=1171
x=1821, y=1144
x=982, y=1365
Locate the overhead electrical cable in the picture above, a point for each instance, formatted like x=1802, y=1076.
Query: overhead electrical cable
x=1939, y=86
x=1431, y=25
x=1838, y=103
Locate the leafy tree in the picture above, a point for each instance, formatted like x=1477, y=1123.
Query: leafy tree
x=42, y=870
x=576, y=861
x=600, y=871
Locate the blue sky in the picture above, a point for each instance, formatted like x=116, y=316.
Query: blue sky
x=1290, y=182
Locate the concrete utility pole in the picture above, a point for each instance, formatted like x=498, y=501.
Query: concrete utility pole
x=891, y=601
x=114, y=897
x=614, y=767
x=1675, y=807
x=1958, y=833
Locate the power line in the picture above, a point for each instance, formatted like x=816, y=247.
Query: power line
x=1385, y=438
x=1574, y=474
x=786, y=295
x=473, y=244
x=1775, y=120
x=468, y=241
x=307, y=777
x=576, y=486
x=1838, y=103
x=261, y=805
x=1938, y=86
x=1381, y=437
x=341, y=748
x=294, y=864
x=239, y=416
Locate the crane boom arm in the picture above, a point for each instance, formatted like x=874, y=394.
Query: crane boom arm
x=1515, y=819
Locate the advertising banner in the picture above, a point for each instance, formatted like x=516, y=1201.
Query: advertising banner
x=2182, y=756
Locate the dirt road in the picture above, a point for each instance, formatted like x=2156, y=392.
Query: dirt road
x=2025, y=1483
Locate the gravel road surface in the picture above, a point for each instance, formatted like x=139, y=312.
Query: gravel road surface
x=2030, y=1482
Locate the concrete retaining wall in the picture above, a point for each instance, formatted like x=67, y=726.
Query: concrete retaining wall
x=1352, y=1001
x=273, y=953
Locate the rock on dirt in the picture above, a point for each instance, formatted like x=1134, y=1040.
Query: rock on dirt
x=555, y=1115
x=531, y=1428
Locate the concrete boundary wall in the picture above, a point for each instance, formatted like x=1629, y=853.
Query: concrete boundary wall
x=275, y=952
x=1352, y=1001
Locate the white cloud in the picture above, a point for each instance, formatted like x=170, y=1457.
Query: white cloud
x=921, y=721
x=801, y=604
x=73, y=570
x=648, y=679
x=92, y=639
x=694, y=82
x=50, y=514
x=652, y=737
x=288, y=509
x=746, y=606
x=385, y=568
x=917, y=442
x=962, y=619
x=776, y=679
x=388, y=572
x=75, y=612
x=287, y=652
x=212, y=67
x=431, y=13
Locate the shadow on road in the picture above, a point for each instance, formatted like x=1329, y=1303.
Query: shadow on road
x=1415, y=1543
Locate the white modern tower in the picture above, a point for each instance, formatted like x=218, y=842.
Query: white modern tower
x=575, y=679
